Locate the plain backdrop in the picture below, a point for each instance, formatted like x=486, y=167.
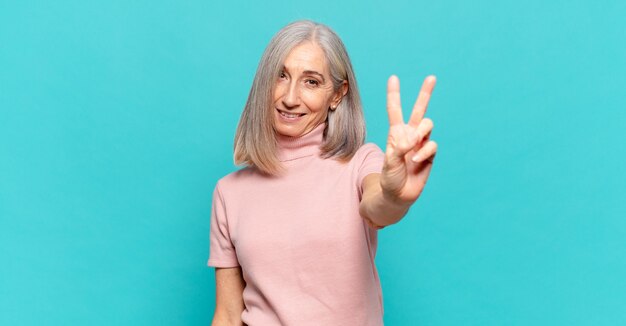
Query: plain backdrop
x=118, y=117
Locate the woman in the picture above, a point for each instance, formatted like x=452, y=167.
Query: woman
x=294, y=233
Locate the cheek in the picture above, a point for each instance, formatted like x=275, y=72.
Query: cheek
x=316, y=102
x=277, y=93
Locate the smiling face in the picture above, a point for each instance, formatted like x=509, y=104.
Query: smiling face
x=303, y=92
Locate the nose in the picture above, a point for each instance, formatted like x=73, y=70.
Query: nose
x=291, y=98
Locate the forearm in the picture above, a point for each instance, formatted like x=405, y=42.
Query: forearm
x=382, y=209
x=222, y=319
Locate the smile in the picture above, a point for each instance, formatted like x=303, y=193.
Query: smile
x=288, y=115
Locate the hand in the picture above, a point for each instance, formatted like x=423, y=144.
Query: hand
x=410, y=152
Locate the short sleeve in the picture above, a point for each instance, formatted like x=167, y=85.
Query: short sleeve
x=371, y=161
x=221, y=249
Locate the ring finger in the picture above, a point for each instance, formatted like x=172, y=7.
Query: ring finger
x=426, y=152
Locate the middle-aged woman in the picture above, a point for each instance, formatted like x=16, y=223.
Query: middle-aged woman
x=294, y=233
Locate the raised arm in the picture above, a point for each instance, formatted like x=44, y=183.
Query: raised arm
x=408, y=159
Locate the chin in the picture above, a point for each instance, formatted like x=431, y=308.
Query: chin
x=289, y=131
x=290, y=128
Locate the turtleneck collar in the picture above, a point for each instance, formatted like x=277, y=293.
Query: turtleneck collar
x=291, y=148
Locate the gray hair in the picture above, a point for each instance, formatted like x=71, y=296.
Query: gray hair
x=255, y=139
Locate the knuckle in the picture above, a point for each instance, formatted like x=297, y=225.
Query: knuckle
x=428, y=123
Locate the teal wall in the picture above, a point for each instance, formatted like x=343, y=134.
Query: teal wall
x=117, y=118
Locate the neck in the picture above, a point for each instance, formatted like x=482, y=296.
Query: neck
x=291, y=148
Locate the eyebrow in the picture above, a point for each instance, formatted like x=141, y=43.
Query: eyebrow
x=310, y=72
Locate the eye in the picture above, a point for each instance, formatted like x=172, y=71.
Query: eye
x=312, y=82
x=282, y=75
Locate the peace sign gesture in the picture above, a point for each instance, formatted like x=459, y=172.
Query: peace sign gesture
x=410, y=152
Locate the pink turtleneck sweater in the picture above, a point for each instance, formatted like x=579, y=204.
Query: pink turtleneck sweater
x=306, y=254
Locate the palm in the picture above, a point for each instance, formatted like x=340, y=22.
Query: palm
x=410, y=152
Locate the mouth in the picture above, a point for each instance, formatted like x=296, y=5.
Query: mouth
x=289, y=115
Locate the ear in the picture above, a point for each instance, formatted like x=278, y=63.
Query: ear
x=341, y=92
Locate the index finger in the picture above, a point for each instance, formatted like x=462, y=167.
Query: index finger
x=419, y=109
x=394, y=107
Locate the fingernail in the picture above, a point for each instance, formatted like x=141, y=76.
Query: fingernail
x=417, y=158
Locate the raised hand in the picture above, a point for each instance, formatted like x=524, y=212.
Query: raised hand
x=410, y=152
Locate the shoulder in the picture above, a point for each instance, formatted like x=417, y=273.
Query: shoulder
x=237, y=180
x=368, y=159
x=369, y=147
x=368, y=151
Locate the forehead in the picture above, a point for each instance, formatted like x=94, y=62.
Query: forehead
x=307, y=56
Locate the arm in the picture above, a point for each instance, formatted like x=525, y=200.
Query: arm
x=387, y=196
x=377, y=209
x=229, y=305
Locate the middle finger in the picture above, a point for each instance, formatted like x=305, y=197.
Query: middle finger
x=419, y=109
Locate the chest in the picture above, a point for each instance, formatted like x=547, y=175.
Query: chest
x=298, y=219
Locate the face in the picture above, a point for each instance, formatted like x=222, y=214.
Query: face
x=303, y=92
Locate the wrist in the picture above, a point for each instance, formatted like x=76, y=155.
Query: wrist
x=395, y=200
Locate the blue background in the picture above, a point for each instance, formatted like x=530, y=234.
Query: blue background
x=117, y=118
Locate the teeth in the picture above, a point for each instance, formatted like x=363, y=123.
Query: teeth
x=289, y=115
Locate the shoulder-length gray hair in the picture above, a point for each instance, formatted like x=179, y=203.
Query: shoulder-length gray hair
x=255, y=140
